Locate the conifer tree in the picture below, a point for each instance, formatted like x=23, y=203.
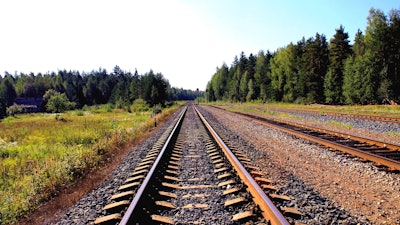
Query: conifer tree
x=339, y=50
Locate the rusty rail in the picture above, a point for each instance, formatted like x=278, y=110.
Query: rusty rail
x=383, y=119
x=269, y=210
x=379, y=160
x=127, y=216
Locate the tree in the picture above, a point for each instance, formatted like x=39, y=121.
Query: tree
x=2, y=109
x=219, y=81
x=243, y=86
x=210, y=92
x=284, y=77
x=57, y=102
x=261, y=79
x=313, y=70
x=352, y=81
x=135, y=87
x=15, y=109
x=155, y=88
x=394, y=56
x=353, y=71
x=235, y=90
x=359, y=44
x=339, y=50
x=7, y=91
x=251, y=93
x=120, y=92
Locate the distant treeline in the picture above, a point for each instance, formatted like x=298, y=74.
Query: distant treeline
x=313, y=71
x=97, y=87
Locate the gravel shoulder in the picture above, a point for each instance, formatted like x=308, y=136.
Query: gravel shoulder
x=369, y=194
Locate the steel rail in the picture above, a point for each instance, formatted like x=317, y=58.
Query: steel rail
x=379, y=160
x=269, y=210
x=344, y=135
x=334, y=133
x=127, y=216
x=384, y=119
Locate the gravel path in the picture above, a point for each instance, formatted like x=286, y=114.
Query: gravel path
x=328, y=188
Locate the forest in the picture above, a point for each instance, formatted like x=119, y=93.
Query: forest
x=315, y=71
x=119, y=88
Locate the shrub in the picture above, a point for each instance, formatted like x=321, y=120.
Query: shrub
x=139, y=105
x=157, y=109
x=79, y=113
x=57, y=102
x=15, y=109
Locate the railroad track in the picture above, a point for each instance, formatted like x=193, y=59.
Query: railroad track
x=191, y=176
x=382, y=154
x=375, y=118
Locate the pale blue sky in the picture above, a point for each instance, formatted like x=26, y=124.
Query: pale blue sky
x=183, y=39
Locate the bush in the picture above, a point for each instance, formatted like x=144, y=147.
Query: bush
x=57, y=102
x=157, y=109
x=15, y=109
x=109, y=108
x=139, y=105
x=79, y=113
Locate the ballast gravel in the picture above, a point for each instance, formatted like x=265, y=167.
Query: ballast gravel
x=327, y=187
x=386, y=132
x=203, y=205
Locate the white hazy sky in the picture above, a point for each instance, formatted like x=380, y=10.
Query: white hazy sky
x=184, y=40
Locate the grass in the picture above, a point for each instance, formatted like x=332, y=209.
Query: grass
x=340, y=125
x=379, y=110
x=39, y=154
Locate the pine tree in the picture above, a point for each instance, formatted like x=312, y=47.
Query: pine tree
x=313, y=70
x=243, y=87
x=339, y=50
x=7, y=91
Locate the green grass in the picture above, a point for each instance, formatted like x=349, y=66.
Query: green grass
x=379, y=110
x=340, y=125
x=39, y=154
x=394, y=134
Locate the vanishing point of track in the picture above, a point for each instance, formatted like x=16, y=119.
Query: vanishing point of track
x=191, y=176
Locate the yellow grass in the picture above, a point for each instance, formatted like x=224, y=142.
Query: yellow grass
x=39, y=154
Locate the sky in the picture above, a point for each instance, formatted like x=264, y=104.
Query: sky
x=185, y=40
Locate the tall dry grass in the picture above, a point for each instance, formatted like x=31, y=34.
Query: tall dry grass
x=39, y=154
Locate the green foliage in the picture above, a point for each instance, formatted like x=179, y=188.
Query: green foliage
x=313, y=71
x=57, y=102
x=2, y=109
x=15, y=109
x=219, y=82
x=80, y=113
x=157, y=109
x=243, y=86
x=98, y=87
x=339, y=51
x=262, y=80
x=7, y=90
x=139, y=105
x=176, y=94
